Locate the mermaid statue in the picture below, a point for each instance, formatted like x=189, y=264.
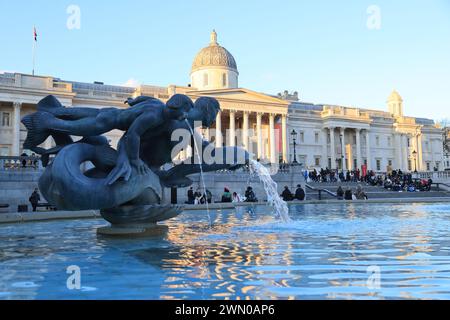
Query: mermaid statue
x=126, y=184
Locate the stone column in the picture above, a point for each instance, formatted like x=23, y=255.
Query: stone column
x=245, y=131
x=324, y=149
x=219, y=137
x=272, y=138
x=207, y=134
x=284, y=137
x=259, y=134
x=368, y=156
x=332, y=149
x=16, y=129
x=358, y=149
x=398, y=152
x=344, y=164
x=419, y=152
x=232, y=128
x=406, y=152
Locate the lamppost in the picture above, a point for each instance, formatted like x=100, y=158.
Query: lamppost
x=294, y=134
x=414, y=153
x=342, y=154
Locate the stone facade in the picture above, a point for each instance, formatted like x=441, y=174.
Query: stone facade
x=266, y=125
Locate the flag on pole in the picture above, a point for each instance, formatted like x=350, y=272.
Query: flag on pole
x=35, y=34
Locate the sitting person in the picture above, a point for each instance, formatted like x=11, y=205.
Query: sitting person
x=340, y=193
x=226, y=196
x=287, y=194
x=250, y=195
x=360, y=194
x=348, y=194
x=299, y=193
x=236, y=198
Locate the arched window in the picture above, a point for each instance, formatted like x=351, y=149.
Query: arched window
x=224, y=80
x=205, y=79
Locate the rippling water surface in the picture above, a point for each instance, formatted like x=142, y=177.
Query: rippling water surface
x=327, y=252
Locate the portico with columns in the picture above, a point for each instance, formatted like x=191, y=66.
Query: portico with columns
x=251, y=120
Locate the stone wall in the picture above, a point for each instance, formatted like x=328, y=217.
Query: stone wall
x=235, y=182
x=17, y=186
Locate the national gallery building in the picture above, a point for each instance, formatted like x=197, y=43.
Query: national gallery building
x=267, y=125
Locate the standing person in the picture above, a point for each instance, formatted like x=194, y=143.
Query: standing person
x=286, y=194
x=300, y=193
x=191, y=196
x=34, y=199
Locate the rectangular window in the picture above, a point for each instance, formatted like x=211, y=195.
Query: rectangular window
x=378, y=165
x=355, y=164
x=365, y=162
x=409, y=165
x=6, y=119
x=438, y=164
x=389, y=141
x=317, y=161
x=390, y=163
x=302, y=136
x=329, y=163
x=354, y=139
x=409, y=142
x=428, y=166
x=4, y=151
x=224, y=80
x=328, y=138
x=377, y=141
x=316, y=137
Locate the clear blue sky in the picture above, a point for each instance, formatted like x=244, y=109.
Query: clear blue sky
x=322, y=49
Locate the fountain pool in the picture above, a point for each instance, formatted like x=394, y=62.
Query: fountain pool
x=327, y=251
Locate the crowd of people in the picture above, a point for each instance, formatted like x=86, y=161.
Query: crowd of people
x=394, y=180
x=200, y=197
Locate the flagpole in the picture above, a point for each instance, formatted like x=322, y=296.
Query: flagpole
x=34, y=49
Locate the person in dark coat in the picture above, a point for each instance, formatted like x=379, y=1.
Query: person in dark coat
x=340, y=193
x=191, y=196
x=34, y=199
x=300, y=193
x=287, y=194
x=348, y=194
x=250, y=195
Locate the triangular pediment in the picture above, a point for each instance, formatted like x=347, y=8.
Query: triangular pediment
x=240, y=94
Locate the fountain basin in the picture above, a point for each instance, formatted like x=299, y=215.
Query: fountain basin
x=137, y=219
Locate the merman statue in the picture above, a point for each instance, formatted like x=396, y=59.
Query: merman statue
x=126, y=184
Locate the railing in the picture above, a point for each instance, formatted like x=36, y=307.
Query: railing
x=20, y=163
x=433, y=175
x=320, y=190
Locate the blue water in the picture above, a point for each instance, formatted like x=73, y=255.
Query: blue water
x=327, y=252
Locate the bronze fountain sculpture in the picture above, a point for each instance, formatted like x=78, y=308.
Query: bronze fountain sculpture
x=126, y=184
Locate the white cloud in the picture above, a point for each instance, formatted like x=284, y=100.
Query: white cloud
x=131, y=83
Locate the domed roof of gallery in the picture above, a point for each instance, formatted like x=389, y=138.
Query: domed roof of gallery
x=214, y=55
